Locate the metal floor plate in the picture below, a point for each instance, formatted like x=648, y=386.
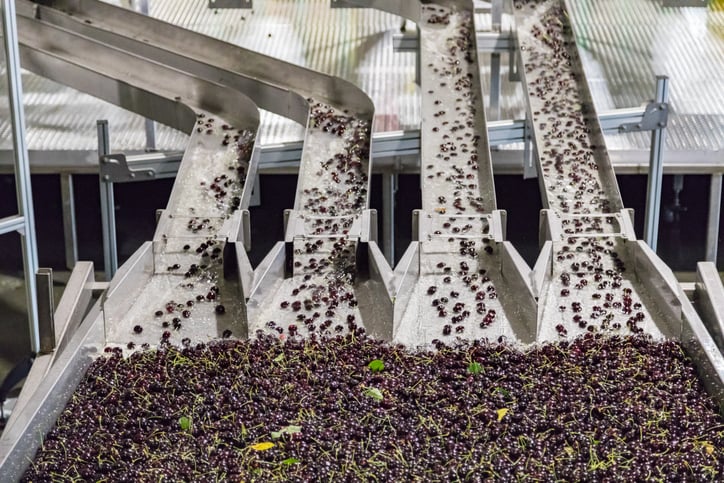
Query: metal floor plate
x=624, y=43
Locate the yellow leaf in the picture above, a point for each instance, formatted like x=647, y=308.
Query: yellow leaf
x=502, y=413
x=708, y=447
x=568, y=450
x=262, y=446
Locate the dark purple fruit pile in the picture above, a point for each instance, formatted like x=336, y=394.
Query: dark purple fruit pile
x=355, y=409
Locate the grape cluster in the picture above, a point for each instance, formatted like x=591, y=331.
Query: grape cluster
x=595, y=408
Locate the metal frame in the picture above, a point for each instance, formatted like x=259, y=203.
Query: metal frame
x=709, y=300
x=393, y=153
x=108, y=217
x=24, y=221
x=654, y=119
x=656, y=162
x=396, y=145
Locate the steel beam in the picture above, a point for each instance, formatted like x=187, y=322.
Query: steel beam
x=714, y=217
x=108, y=213
x=656, y=170
x=389, y=188
x=386, y=146
x=489, y=42
x=70, y=233
x=12, y=223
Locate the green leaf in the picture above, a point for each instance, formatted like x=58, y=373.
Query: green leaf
x=290, y=461
x=475, y=368
x=184, y=423
x=374, y=393
x=279, y=358
x=502, y=391
x=376, y=365
x=276, y=434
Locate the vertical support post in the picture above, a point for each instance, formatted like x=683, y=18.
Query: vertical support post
x=70, y=234
x=656, y=170
x=712, y=225
x=108, y=206
x=515, y=64
x=530, y=154
x=142, y=7
x=388, y=209
x=497, y=17
x=494, y=107
x=46, y=309
x=150, y=134
x=22, y=166
x=496, y=12
x=418, y=59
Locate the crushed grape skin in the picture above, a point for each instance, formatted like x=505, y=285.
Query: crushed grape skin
x=607, y=408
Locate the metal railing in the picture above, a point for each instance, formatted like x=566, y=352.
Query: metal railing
x=23, y=222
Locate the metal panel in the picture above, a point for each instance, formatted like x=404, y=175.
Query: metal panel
x=521, y=310
x=46, y=309
x=709, y=300
x=375, y=295
x=73, y=304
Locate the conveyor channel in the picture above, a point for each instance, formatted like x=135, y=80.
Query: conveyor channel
x=593, y=274
x=216, y=150
x=460, y=279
